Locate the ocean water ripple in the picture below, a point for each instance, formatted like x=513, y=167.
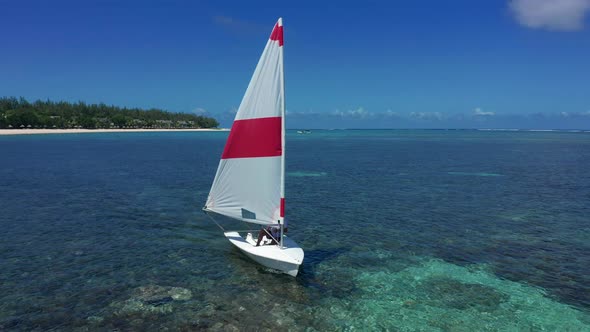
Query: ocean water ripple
x=402, y=230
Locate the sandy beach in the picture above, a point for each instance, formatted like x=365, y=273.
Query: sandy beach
x=87, y=131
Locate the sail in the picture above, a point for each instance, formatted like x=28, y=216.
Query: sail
x=249, y=183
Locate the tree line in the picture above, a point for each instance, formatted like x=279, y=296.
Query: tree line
x=18, y=113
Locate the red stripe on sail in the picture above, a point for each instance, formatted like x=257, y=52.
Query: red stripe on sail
x=282, y=207
x=277, y=34
x=253, y=138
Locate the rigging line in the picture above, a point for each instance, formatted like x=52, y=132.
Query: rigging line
x=216, y=223
x=272, y=237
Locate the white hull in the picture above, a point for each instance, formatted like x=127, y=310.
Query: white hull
x=287, y=260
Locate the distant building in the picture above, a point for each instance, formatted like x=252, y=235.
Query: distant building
x=163, y=123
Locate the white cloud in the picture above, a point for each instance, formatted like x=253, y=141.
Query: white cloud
x=307, y=114
x=427, y=115
x=223, y=20
x=356, y=113
x=390, y=114
x=359, y=113
x=574, y=114
x=199, y=111
x=479, y=112
x=239, y=26
x=564, y=15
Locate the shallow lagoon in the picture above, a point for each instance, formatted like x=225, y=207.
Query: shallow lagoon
x=403, y=230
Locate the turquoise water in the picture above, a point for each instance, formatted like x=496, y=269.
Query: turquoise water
x=402, y=230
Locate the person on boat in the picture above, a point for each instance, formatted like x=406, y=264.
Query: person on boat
x=274, y=231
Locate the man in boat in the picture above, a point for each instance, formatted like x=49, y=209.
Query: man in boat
x=272, y=231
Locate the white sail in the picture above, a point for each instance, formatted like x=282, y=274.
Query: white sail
x=249, y=183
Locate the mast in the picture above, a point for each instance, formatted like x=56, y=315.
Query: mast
x=282, y=80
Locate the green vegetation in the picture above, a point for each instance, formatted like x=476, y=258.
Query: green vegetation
x=19, y=113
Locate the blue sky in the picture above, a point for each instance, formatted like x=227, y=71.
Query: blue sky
x=389, y=64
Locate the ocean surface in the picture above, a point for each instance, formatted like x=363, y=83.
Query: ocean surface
x=403, y=230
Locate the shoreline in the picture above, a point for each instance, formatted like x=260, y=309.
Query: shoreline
x=89, y=131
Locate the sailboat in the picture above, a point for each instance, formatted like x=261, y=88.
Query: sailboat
x=250, y=181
